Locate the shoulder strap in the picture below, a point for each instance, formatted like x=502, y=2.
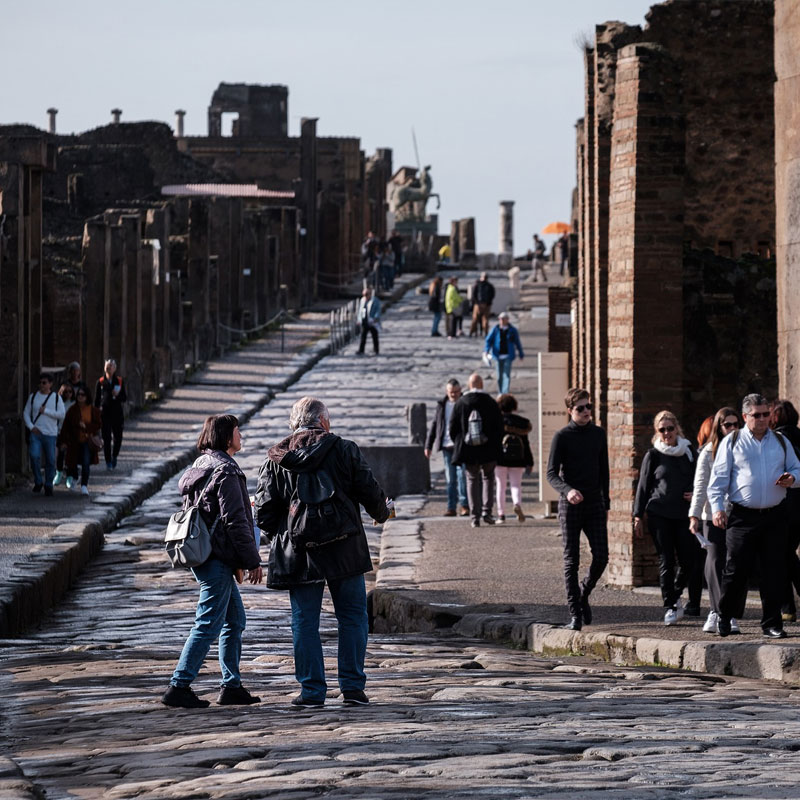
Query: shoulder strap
x=781, y=442
x=41, y=407
x=203, y=491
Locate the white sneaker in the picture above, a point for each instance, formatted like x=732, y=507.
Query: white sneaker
x=85, y=490
x=671, y=616
x=70, y=481
x=711, y=623
x=58, y=478
x=734, y=626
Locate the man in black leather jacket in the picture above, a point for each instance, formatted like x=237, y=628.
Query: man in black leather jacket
x=341, y=564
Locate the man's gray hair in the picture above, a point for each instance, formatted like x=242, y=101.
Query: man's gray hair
x=753, y=400
x=453, y=382
x=308, y=412
x=74, y=365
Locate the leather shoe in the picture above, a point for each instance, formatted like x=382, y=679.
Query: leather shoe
x=574, y=624
x=236, y=696
x=724, y=626
x=775, y=633
x=586, y=610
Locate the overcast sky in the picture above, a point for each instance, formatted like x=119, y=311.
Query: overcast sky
x=492, y=87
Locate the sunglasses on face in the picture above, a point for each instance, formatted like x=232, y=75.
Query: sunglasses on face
x=667, y=429
x=759, y=414
x=727, y=425
x=584, y=407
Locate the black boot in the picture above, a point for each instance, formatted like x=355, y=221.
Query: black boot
x=586, y=609
x=236, y=696
x=183, y=697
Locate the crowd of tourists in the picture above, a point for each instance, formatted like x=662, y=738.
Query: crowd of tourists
x=67, y=429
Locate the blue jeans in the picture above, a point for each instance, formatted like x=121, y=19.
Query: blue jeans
x=349, y=597
x=220, y=613
x=437, y=318
x=456, y=482
x=503, y=374
x=42, y=446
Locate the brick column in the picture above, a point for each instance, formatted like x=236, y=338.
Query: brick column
x=645, y=359
x=586, y=267
x=787, y=193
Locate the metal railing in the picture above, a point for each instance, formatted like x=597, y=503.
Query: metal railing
x=344, y=324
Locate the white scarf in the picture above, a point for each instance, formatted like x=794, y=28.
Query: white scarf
x=683, y=448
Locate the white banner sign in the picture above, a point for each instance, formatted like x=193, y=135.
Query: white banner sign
x=553, y=385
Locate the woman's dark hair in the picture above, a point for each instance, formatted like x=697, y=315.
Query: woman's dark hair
x=784, y=414
x=718, y=433
x=217, y=432
x=507, y=403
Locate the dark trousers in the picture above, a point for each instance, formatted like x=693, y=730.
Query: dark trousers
x=792, y=584
x=671, y=537
x=753, y=536
x=368, y=329
x=480, y=488
x=111, y=428
x=589, y=517
x=85, y=461
x=716, y=556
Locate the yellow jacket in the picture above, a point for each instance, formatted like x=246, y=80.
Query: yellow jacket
x=452, y=300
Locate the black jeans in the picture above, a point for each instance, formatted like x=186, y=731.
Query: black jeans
x=716, y=556
x=111, y=427
x=673, y=536
x=755, y=536
x=374, y=331
x=589, y=517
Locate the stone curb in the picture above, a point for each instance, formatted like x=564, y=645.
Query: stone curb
x=399, y=605
x=36, y=584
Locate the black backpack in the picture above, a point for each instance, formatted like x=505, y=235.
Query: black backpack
x=513, y=448
x=319, y=512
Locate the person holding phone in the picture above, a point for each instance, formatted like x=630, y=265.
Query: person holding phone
x=754, y=468
x=666, y=479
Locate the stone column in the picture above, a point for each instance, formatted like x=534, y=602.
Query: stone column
x=645, y=286
x=586, y=286
x=455, y=254
x=51, y=120
x=506, y=243
x=466, y=240
x=787, y=193
x=116, y=113
x=179, y=115
x=95, y=257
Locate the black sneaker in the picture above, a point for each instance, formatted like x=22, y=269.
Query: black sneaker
x=307, y=702
x=236, y=696
x=488, y=519
x=183, y=697
x=354, y=697
x=37, y=487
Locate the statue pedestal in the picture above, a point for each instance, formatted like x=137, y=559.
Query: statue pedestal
x=410, y=228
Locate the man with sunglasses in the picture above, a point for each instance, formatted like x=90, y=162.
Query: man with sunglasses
x=754, y=467
x=43, y=411
x=578, y=470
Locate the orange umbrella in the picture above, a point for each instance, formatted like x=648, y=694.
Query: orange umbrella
x=557, y=227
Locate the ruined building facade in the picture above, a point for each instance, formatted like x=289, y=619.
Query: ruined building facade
x=161, y=250
x=676, y=212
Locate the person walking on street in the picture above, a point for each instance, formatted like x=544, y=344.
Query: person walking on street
x=42, y=414
x=67, y=395
x=482, y=297
x=502, y=345
x=563, y=252
x=110, y=397
x=439, y=439
x=665, y=488
x=453, y=308
x=538, y=258
x=754, y=467
x=75, y=380
x=515, y=457
x=81, y=422
x=311, y=454
x=396, y=243
x=578, y=470
x=435, y=304
x=216, y=482
x=784, y=420
x=369, y=313
x=723, y=422
x=476, y=429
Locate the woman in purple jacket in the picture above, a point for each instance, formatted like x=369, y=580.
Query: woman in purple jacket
x=225, y=507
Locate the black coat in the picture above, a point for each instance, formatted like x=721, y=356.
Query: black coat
x=518, y=426
x=304, y=451
x=663, y=479
x=233, y=540
x=109, y=403
x=433, y=442
x=492, y=427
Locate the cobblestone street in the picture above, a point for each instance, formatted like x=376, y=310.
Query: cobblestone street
x=450, y=716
